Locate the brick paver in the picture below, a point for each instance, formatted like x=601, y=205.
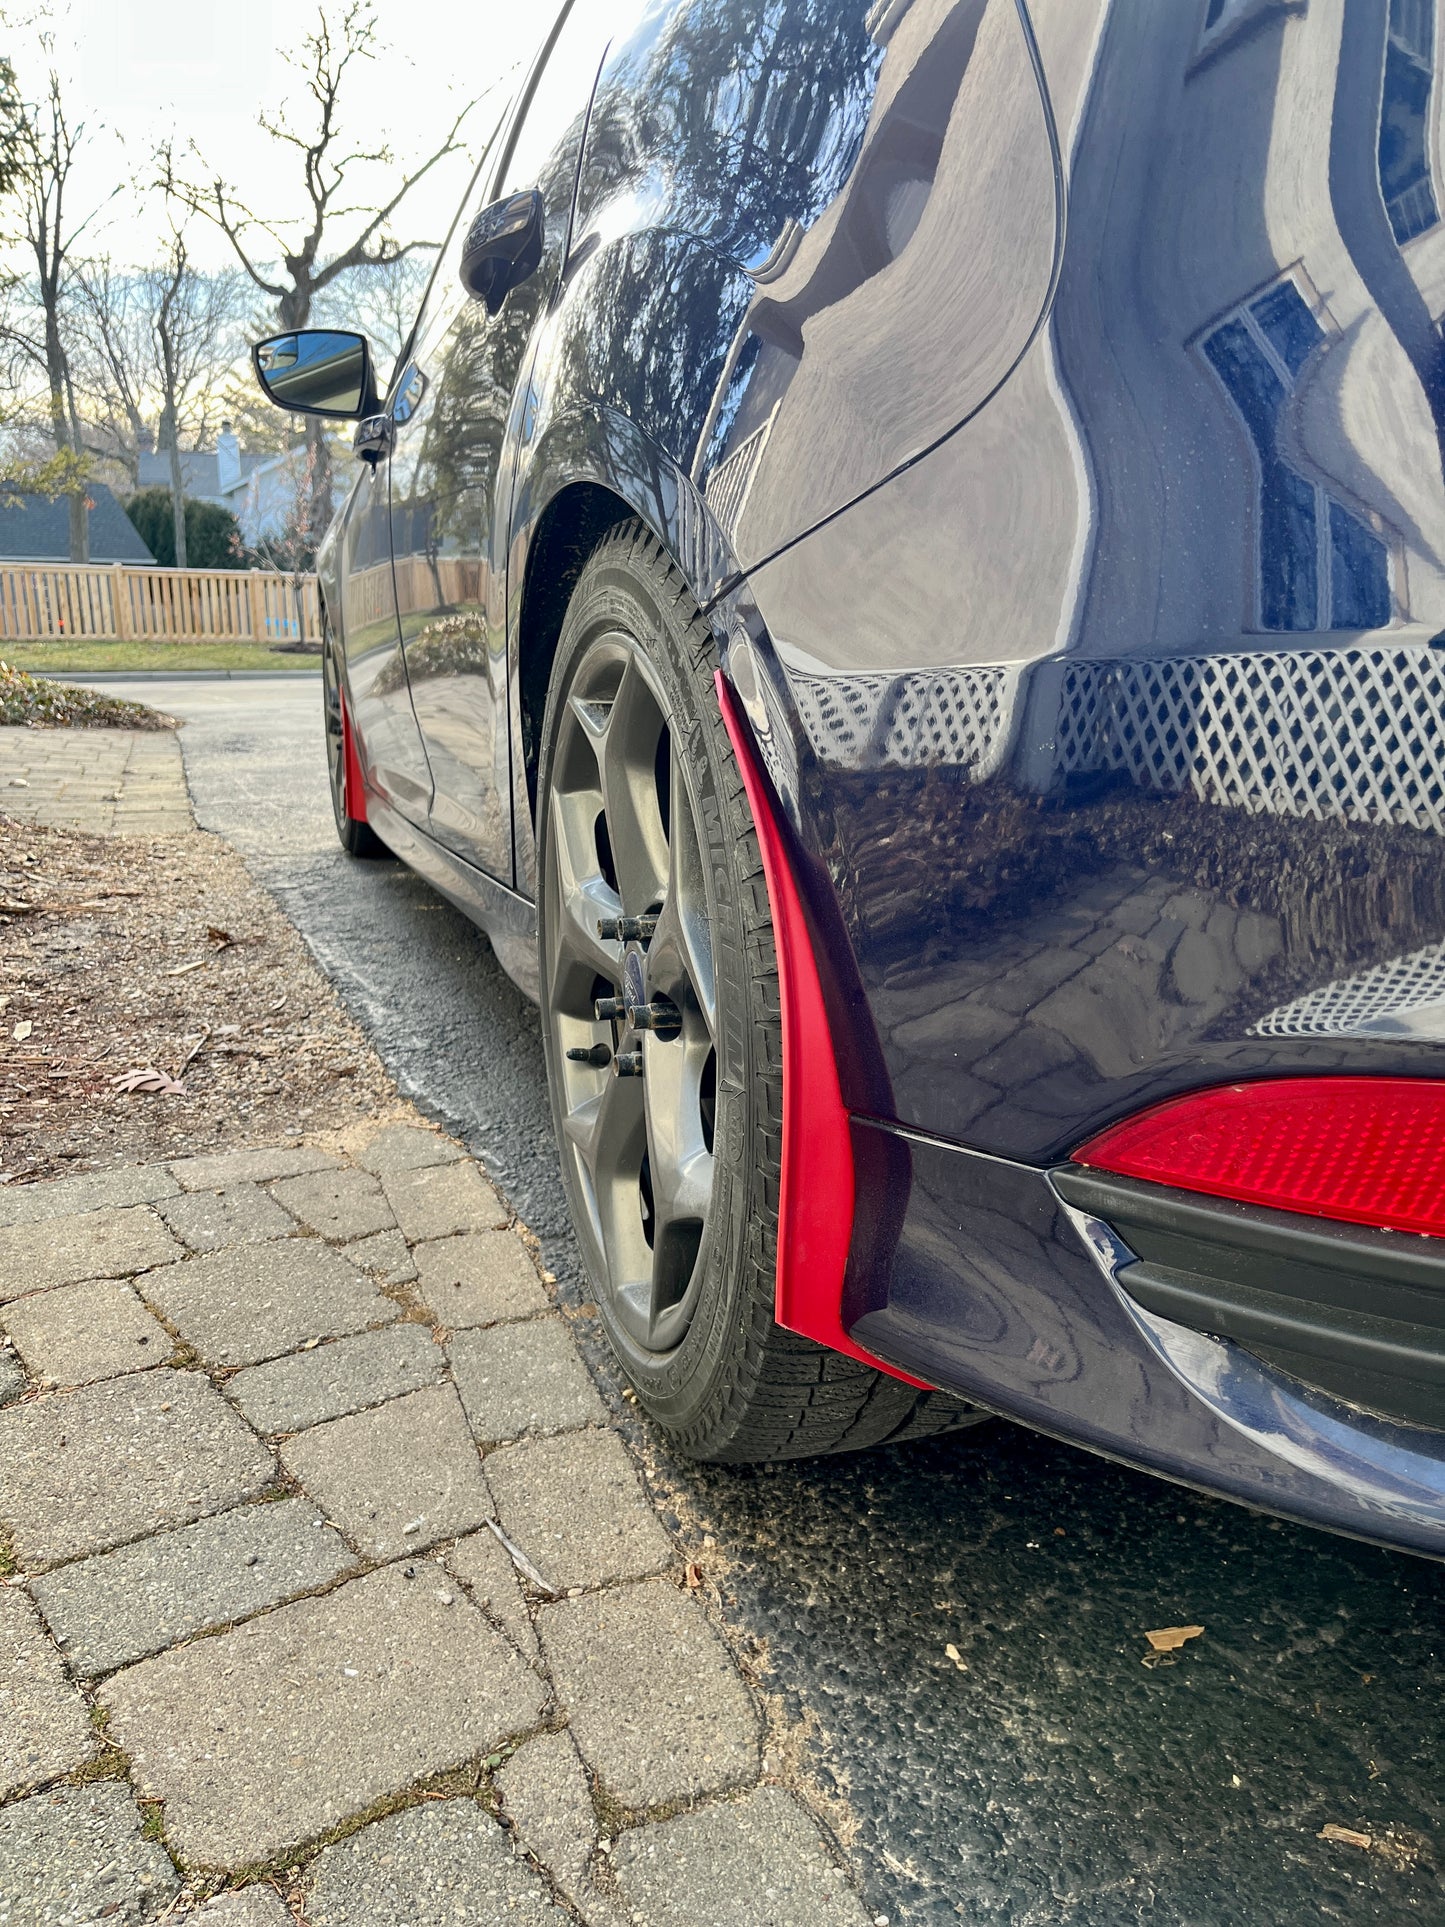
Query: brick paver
x=79, y=1333
x=308, y=1388
x=76, y=1855
x=108, y=782
x=212, y=1220
x=282, y=1641
x=523, y=1378
x=448, y=1862
x=480, y=1278
x=651, y=1693
x=97, y=1244
x=575, y=1507
x=339, y=1205
x=44, y=1727
x=64, y=1197
x=485, y=1568
x=123, y=1606
x=262, y=1738
x=734, y=1865
x=397, y=1478
x=257, y=1301
x=86, y=1470
x=436, y=1200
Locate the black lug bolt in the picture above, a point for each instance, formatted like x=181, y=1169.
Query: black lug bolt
x=627, y=1063
x=595, y=1054
x=609, y=1007
x=661, y=1016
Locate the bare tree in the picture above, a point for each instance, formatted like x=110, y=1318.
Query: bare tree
x=115, y=360
x=193, y=314
x=294, y=261
x=46, y=148
x=382, y=301
x=155, y=352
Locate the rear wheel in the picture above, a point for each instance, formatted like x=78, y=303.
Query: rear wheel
x=356, y=834
x=663, y=1037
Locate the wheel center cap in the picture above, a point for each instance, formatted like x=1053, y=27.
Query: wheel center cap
x=634, y=982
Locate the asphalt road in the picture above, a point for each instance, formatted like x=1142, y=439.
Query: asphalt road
x=1047, y=1775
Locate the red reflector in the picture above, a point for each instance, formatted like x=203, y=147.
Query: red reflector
x=1366, y=1150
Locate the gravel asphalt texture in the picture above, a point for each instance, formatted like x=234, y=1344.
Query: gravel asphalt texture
x=1040, y=1771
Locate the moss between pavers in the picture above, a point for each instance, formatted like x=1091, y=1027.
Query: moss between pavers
x=472, y=1780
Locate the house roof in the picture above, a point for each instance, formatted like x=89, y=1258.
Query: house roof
x=200, y=473
x=38, y=530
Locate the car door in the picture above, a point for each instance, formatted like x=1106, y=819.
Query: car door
x=380, y=698
x=452, y=462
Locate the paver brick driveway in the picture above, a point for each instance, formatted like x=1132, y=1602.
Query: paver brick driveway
x=331, y=1594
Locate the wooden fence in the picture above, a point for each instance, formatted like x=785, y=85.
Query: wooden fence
x=58, y=602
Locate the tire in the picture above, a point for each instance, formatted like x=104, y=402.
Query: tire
x=672, y=1171
x=355, y=834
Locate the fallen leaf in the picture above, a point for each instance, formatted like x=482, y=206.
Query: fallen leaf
x=149, y=1079
x=22, y=1030
x=222, y=939
x=1346, y=1836
x=1167, y=1638
x=951, y=1652
x=692, y=1578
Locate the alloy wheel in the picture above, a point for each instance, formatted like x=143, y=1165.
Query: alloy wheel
x=630, y=990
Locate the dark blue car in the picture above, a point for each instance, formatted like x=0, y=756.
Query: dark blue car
x=900, y=577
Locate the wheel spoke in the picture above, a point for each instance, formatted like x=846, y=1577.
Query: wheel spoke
x=680, y=1164
x=601, y=1126
x=627, y=757
x=680, y=957
x=583, y=897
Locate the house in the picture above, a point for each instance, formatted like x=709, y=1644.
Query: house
x=217, y=475
x=33, y=528
x=259, y=490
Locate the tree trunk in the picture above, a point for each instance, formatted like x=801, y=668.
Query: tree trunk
x=79, y=526
x=178, y=499
x=58, y=372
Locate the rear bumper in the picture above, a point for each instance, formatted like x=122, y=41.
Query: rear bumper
x=975, y=1274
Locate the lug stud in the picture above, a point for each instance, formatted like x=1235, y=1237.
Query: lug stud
x=626, y=929
x=627, y=1063
x=609, y=1007
x=594, y=1054
x=662, y=1016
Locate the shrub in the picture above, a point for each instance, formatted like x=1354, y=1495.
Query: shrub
x=213, y=535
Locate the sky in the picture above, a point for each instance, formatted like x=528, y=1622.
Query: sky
x=199, y=71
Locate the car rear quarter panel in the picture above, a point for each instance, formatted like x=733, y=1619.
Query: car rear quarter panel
x=1114, y=723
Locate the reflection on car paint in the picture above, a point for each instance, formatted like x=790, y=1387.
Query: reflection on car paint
x=1085, y=871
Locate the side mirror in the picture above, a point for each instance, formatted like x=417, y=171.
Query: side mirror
x=317, y=371
x=503, y=246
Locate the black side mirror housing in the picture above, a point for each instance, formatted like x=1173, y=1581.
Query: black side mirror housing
x=317, y=371
x=503, y=246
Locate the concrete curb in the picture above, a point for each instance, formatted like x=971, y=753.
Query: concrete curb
x=88, y=678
